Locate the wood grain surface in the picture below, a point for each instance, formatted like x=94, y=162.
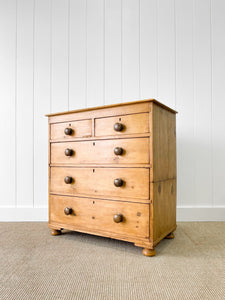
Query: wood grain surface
x=135, y=151
x=98, y=215
x=133, y=124
x=96, y=182
x=80, y=129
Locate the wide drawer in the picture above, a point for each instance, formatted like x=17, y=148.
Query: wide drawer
x=102, y=152
x=100, y=182
x=131, y=124
x=71, y=130
x=98, y=215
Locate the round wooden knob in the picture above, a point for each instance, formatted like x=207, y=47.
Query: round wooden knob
x=118, y=218
x=118, y=182
x=68, y=131
x=118, y=151
x=69, y=152
x=68, y=211
x=118, y=127
x=68, y=179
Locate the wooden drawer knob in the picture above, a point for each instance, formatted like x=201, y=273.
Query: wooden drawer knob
x=118, y=127
x=118, y=218
x=118, y=182
x=69, y=152
x=118, y=151
x=68, y=131
x=68, y=179
x=68, y=211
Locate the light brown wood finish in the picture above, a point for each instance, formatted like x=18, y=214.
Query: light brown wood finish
x=138, y=241
x=55, y=232
x=149, y=252
x=147, y=197
x=125, y=109
x=170, y=236
x=146, y=166
x=164, y=208
x=98, y=215
x=79, y=129
x=100, y=182
x=132, y=124
x=93, y=138
x=118, y=106
x=163, y=154
x=135, y=151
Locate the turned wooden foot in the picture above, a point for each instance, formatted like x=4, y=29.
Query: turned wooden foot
x=149, y=252
x=170, y=236
x=55, y=232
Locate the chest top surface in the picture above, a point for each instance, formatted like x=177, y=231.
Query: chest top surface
x=121, y=105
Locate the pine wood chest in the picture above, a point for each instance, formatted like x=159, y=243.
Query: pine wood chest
x=112, y=172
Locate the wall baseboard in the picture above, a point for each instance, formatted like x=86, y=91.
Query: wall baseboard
x=23, y=214
x=184, y=214
x=200, y=213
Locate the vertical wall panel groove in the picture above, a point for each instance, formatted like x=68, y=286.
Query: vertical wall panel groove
x=122, y=58
x=218, y=104
x=211, y=108
x=113, y=56
x=139, y=49
x=68, y=40
x=50, y=54
x=175, y=55
x=78, y=60
x=104, y=21
x=25, y=105
x=185, y=103
x=130, y=50
x=59, y=55
x=33, y=85
x=157, y=47
x=202, y=89
x=41, y=99
x=194, y=102
x=148, y=49
x=15, y=107
x=166, y=45
x=86, y=60
x=7, y=100
x=95, y=53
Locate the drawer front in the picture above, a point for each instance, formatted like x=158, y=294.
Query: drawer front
x=71, y=130
x=131, y=124
x=128, y=151
x=100, y=182
x=98, y=215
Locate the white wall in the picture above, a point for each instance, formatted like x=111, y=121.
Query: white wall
x=57, y=55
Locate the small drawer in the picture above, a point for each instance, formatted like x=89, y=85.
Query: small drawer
x=117, y=151
x=121, y=125
x=107, y=183
x=71, y=130
x=130, y=219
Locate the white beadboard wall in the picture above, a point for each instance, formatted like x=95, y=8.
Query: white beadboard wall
x=57, y=55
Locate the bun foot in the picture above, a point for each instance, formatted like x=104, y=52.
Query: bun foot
x=149, y=252
x=55, y=232
x=170, y=236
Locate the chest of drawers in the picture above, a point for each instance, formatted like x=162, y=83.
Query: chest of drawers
x=112, y=172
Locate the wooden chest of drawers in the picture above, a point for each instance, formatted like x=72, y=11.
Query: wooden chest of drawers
x=112, y=172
